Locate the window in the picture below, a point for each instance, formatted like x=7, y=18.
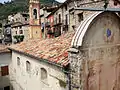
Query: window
x=56, y=20
x=35, y=13
x=20, y=27
x=73, y=15
x=18, y=61
x=21, y=31
x=66, y=7
x=43, y=74
x=66, y=20
x=7, y=88
x=25, y=19
x=16, y=32
x=80, y=17
x=4, y=71
x=16, y=19
x=59, y=18
x=28, y=66
x=0, y=25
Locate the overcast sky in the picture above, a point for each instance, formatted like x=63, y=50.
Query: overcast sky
x=60, y=0
x=2, y=1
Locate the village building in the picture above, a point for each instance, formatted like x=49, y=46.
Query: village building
x=42, y=65
x=7, y=37
x=17, y=24
x=68, y=17
x=92, y=58
x=5, y=60
x=20, y=27
x=58, y=21
x=34, y=22
x=21, y=17
x=20, y=30
x=46, y=21
x=43, y=20
x=50, y=26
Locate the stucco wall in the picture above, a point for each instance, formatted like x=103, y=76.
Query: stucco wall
x=22, y=80
x=25, y=30
x=96, y=66
x=5, y=60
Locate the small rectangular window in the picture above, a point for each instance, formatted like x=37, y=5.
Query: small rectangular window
x=66, y=19
x=59, y=18
x=7, y=88
x=66, y=7
x=21, y=31
x=18, y=61
x=16, y=32
x=80, y=17
x=4, y=71
x=25, y=19
x=28, y=66
x=20, y=27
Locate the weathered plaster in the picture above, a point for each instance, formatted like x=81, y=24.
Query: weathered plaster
x=31, y=80
x=96, y=66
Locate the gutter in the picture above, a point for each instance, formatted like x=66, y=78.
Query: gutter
x=99, y=9
x=35, y=57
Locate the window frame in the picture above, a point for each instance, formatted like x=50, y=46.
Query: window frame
x=80, y=17
x=18, y=61
x=20, y=31
x=35, y=13
x=44, y=74
x=28, y=66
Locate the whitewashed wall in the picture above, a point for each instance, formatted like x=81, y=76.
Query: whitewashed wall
x=5, y=59
x=22, y=80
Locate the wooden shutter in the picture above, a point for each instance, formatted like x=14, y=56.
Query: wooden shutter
x=4, y=71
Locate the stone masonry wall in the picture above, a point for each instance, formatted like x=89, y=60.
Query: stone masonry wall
x=96, y=65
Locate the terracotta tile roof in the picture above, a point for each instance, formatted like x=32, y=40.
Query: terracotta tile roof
x=3, y=48
x=53, y=50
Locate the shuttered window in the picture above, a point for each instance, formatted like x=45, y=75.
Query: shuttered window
x=4, y=71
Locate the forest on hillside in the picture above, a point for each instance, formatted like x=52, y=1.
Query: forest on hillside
x=19, y=6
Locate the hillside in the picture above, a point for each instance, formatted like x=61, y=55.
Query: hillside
x=19, y=6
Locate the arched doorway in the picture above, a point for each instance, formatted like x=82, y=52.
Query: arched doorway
x=98, y=42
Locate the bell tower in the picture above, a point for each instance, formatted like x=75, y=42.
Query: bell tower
x=34, y=12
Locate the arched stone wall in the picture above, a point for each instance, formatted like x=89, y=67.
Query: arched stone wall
x=98, y=59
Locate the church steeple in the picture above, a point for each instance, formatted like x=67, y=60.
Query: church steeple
x=34, y=11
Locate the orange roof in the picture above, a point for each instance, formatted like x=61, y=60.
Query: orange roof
x=53, y=50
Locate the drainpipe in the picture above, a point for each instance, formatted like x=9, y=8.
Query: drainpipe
x=68, y=74
x=69, y=81
x=72, y=51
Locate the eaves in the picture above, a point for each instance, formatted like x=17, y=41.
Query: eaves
x=37, y=58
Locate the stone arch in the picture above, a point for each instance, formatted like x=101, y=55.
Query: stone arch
x=98, y=42
x=77, y=40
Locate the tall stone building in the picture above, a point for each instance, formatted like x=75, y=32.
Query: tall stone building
x=95, y=50
x=34, y=11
